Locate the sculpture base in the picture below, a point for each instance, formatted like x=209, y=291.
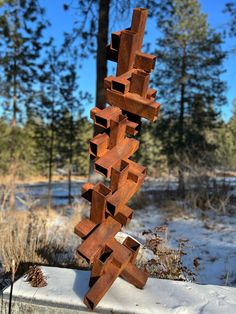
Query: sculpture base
x=66, y=289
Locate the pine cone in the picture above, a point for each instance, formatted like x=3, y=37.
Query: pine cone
x=35, y=277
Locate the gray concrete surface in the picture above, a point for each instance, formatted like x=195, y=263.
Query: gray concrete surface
x=66, y=289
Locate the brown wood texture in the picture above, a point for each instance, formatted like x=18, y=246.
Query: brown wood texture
x=129, y=99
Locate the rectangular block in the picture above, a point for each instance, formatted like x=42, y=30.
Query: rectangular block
x=134, y=103
x=111, y=54
x=120, y=84
x=133, y=246
x=94, y=244
x=107, y=81
x=119, y=174
x=127, y=75
x=117, y=200
x=98, y=206
x=125, y=149
x=121, y=255
x=115, y=40
x=124, y=215
x=132, y=127
x=136, y=170
x=134, y=276
x=93, y=111
x=117, y=130
x=86, y=191
x=151, y=94
x=144, y=61
x=127, y=49
x=101, y=286
x=103, y=117
x=138, y=24
x=99, y=145
x=100, y=265
x=139, y=83
x=84, y=227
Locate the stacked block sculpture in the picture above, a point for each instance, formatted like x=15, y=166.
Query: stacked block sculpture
x=130, y=99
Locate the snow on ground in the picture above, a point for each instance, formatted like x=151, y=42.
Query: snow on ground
x=211, y=240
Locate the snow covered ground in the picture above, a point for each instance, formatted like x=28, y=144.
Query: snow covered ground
x=210, y=239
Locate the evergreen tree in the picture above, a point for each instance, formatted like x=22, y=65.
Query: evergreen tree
x=49, y=109
x=188, y=79
x=21, y=44
x=71, y=110
x=150, y=153
x=230, y=8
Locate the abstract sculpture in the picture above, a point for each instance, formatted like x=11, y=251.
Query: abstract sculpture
x=130, y=99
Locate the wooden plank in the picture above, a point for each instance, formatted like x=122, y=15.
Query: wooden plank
x=95, y=243
x=125, y=149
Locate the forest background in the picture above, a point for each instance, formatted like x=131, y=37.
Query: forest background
x=47, y=86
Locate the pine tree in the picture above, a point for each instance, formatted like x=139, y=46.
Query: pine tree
x=49, y=108
x=230, y=8
x=188, y=78
x=21, y=44
x=71, y=110
x=150, y=153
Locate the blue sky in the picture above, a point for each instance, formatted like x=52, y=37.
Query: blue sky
x=63, y=21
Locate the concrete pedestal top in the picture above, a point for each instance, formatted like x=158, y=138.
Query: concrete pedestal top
x=67, y=287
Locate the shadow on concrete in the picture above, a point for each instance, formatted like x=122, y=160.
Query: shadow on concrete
x=81, y=282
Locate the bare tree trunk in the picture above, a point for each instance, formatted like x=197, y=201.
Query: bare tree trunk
x=70, y=160
x=101, y=62
x=14, y=109
x=181, y=185
x=50, y=163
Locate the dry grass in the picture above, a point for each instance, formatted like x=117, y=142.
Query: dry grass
x=36, y=238
x=167, y=262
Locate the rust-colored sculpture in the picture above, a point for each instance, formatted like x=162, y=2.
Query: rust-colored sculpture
x=130, y=99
